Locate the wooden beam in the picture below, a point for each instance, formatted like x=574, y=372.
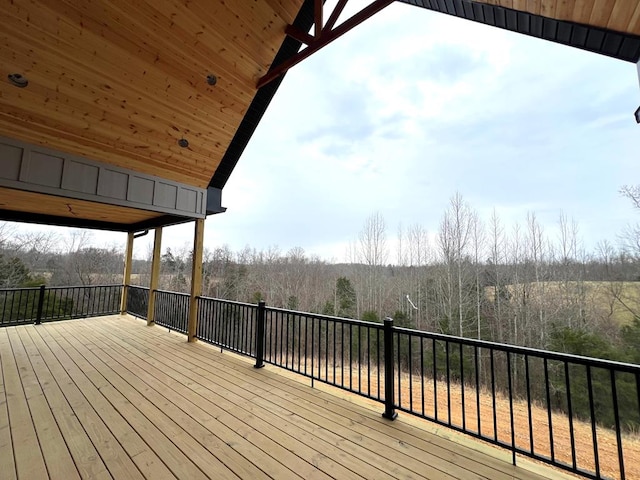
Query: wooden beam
x=317, y=15
x=196, y=279
x=155, y=274
x=333, y=18
x=326, y=37
x=126, y=277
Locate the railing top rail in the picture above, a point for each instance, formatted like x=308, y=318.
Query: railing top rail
x=60, y=287
x=229, y=302
x=319, y=316
x=86, y=286
x=20, y=289
x=548, y=354
x=181, y=294
x=140, y=287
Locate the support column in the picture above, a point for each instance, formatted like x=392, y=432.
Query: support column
x=637, y=112
x=155, y=274
x=126, y=277
x=196, y=279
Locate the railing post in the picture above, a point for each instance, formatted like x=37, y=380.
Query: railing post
x=40, y=305
x=389, y=398
x=260, y=335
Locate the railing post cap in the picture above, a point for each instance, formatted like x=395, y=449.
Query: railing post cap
x=388, y=320
x=262, y=303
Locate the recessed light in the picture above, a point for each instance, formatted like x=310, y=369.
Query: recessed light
x=183, y=142
x=18, y=80
x=212, y=79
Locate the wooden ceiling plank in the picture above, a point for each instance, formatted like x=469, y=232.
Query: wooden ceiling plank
x=548, y=8
x=136, y=44
x=185, y=35
x=144, y=162
x=24, y=201
x=634, y=21
x=622, y=15
x=601, y=12
x=201, y=160
x=534, y=6
x=68, y=77
x=582, y=11
x=564, y=9
x=286, y=9
x=254, y=26
x=150, y=81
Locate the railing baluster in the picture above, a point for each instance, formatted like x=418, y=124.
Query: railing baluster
x=493, y=396
x=570, y=411
x=616, y=415
x=422, y=374
x=446, y=346
x=549, y=413
x=529, y=416
x=511, y=419
x=477, y=363
x=464, y=412
x=594, y=432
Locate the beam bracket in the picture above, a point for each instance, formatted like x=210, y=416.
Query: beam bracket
x=323, y=35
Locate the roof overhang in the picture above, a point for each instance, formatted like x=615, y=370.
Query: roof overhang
x=167, y=92
x=607, y=27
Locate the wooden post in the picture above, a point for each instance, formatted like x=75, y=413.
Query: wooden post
x=155, y=274
x=126, y=277
x=196, y=279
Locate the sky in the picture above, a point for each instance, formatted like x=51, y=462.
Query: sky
x=413, y=106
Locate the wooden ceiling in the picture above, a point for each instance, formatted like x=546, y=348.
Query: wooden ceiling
x=617, y=15
x=121, y=81
x=77, y=212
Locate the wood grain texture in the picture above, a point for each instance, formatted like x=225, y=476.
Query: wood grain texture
x=23, y=201
x=121, y=82
x=611, y=14
x=151, y=405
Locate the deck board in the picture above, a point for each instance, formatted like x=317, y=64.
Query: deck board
x=110, y=397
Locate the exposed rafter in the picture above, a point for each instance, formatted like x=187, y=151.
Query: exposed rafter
x=323, y=33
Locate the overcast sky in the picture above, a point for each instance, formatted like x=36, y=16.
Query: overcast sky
x=412, y=106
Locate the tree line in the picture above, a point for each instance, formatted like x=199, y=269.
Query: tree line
x=472, y=277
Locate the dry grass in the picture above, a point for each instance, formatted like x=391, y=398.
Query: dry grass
x=616, y=302
x=411, y=396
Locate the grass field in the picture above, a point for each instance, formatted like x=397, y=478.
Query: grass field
x=616, y=302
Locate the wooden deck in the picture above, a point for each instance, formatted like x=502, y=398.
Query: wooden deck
x=110, y=397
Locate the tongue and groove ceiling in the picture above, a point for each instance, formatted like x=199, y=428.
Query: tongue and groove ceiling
x=121, y=82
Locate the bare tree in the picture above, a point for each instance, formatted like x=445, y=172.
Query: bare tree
x=373, y=253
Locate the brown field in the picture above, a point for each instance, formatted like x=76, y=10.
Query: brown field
x=582, y=431
x=616, y=302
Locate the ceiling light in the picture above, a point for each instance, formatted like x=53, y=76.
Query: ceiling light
x=212, y=79
x=183, y=142
x=18, y=80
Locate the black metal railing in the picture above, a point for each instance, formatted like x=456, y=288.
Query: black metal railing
x=568, y=411
x=171, y=310
x=229, y=325
x=137, y=301
x=42, y=304
x=577, y=413
x=345, y=353
x=565, y=410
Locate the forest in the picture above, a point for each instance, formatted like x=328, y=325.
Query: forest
x=473, y=277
